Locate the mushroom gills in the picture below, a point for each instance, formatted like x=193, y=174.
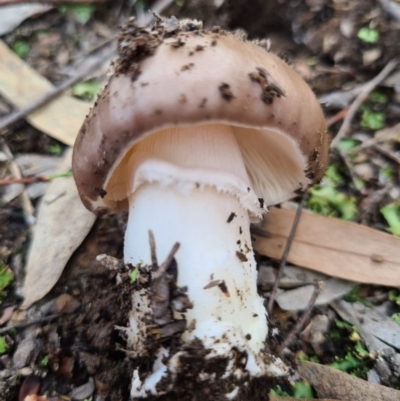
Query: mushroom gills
x=186, y=185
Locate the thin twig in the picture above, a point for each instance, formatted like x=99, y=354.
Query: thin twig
x=153, y=253
x=163, y=268
x=13, y=117
x=285, y=254
x=26, y=203
x=23, y=180
x=337, y=117
x=299, y=325
x=386, y=152
x=22, y=325
x=56, y=2
x=93, y=49
x=363, y=95
x=349, y=167
x=31, y=180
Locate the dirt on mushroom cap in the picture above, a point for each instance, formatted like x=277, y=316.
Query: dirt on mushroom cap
x=212, y=76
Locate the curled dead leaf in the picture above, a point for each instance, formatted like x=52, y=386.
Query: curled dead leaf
x=329, y=382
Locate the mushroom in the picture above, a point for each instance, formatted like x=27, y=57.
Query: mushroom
x=196, y=133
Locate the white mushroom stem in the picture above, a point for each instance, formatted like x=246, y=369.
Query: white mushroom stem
x=207, y=212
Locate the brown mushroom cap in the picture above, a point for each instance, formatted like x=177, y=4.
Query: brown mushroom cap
x=188, y=76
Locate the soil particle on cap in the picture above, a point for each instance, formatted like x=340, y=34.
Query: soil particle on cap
x=313, y=156
x=309, y=173
x=300, y=190
x=223, y=287
x=269, y=90
x=214, y=42
x=182, y=99
x=284, y=57
x=226, y=92
x=241, y=256
x=240, y=35
x=203, y=103
x=187, y=67
x=263, y=43
x=199, y=48
x=136, y=44
x=178, y=43
x=231, y=217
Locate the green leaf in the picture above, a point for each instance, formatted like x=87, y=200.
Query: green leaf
x=347, y=144
x=44, y=361
x=361, y=351
x=368, y=35
x=82, y=12
x=279, y=392
x=325, y=198
x=55, y=149
x=3, y=345
x=391, y=213
x=302, y=389
x=396, y=317
x=387, y=172
x=378, y=97
x=6, y=276
x=352, y=296
x=86, y=90
x=372, y=120
x=20, y=48
x=394, y=296
x=341, y=324
x=332, y=175
x=133, y=275
x=345, y=364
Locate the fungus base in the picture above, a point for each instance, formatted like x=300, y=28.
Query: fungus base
x=202, y=322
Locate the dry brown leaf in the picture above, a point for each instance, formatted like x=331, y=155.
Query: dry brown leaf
x=391, y=134
x=334, y=247
x=12, y=15
x=329, y=382
x=21, y=85
x=63, y=222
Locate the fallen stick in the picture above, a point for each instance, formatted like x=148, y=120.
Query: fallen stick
x=56, y=2
x=362, y=96
x=22, y=325
x=300, y=323
x=285, y=254
x=26, y=203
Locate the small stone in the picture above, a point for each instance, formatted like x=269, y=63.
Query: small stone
x=25, y=371
x=373, y=376
x=84, y=391
x=24, y=353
